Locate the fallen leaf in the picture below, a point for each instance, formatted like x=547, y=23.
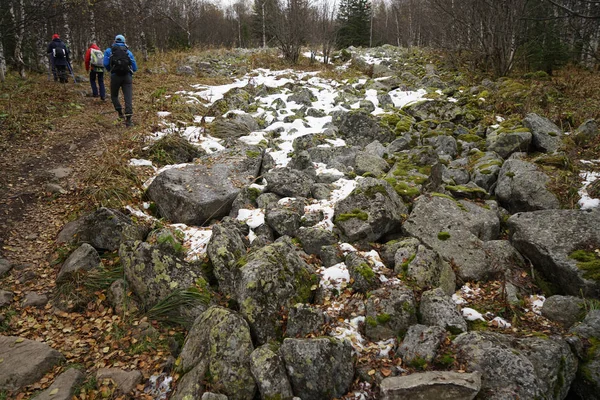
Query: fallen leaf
x=386, y=372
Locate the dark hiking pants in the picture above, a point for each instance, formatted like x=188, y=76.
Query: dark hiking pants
x=100, y=75
x=126, y=83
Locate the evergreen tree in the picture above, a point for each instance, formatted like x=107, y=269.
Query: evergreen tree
x=354, y=21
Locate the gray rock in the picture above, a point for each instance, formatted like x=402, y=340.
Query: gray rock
x=318, y=368
x=586, y=132
x=303, y=96
x=587, y=382
x=5, y=266
x=371, y=211
x=522, y=187
x=304, y=320
x=456, y=231
x=285, y=218
x=287, y=182
x=361, y=273
x=425, y=267
x=486, y=169
x=105, y=229
x=225, y=249
x=153, y=275
x=534, y=235
x=432, y=385
x=438, y=110
x=268, y=370
x=60, y=172
x=271, y=280
x=6, y=297
x=547, y=137
x=33, y=299
x=119, y=298
x=438, y=309
x=233, y=126
x=421, y=342
x=331, y=255
x=84, y=258
x=312, y=140
x=246, y=198
x=25, y=361
x=217, y=351
x=360, y=128
x=443, y=145
x=507, y=143
x=267, y=198
x=367, y=163
x=566, y=310
x=334, y=156
x=125, y=381
x=198, y=193
x=375, y=148
x=525, y=368
x=313, y=239
x=213, y=396
x=390, y=311
x=64, y=386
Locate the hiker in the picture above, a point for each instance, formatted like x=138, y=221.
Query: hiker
x=94, y=64
x=58, y=54
x=121, y=64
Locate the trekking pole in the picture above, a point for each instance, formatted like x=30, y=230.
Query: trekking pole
x=71, y=71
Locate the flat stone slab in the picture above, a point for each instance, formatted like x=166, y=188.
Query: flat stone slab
x=434, y=385
x=24, y=361
x=63, y=387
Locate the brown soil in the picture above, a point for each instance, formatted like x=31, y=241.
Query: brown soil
x=44, y=126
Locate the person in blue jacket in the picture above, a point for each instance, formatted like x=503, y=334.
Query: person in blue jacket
x=120, y=62
x=58, y=54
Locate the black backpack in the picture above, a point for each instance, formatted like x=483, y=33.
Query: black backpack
x=59, y=52
x=120, y=63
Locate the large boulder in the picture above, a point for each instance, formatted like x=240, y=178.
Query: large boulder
x=153, y=274
x=233, y=126
x=421, y=343
x=225, y=248
x=319, y=368
x=587, y=336
x=558, y=243
x=436, y=110
x=268, y=370
x=547, y=137
x=526, y=368
x=586, y=132
x=64, y=386
x=424, y=266
x=522, y=187
x=216, y=353
x=566, y=310
x=287, y=182
x=372, y=210
x=432, y=385
x=485, y=170
x=360, y=128
x=84, y=258
x=271, y=280
x=438, y=309
x=197, y=193
x=25, y=361
x=390, y=311
x=104, y=229
x=458, y=231
x=505, y=143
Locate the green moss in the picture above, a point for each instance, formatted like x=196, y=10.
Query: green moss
x=559, y=161
x=407, y=262
x=510, y=174
x=589, y=262
x=372, y=191
x=477, y=325
x=465, y=189
x=372, y=322
x=443, y=235
x=442, y=195
x=365, y=271
x=470, y=138
x=445, y=360
x=419, y=363
x=356, y=213
x=383, y=318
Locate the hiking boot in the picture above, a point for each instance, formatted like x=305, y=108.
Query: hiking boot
x=121, y=115
x=128, y=122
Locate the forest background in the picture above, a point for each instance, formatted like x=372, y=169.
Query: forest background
x=494, y=36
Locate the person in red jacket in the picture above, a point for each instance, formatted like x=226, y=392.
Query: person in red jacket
x=94, y=63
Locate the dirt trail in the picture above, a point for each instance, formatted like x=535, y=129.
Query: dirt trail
x=79, y=132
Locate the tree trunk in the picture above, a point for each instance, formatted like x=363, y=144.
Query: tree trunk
x=264, y=25
x=2, y=62
x=92, y=25
x=19, y=32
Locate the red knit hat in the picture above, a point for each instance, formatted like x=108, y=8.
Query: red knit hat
x=55, y=36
